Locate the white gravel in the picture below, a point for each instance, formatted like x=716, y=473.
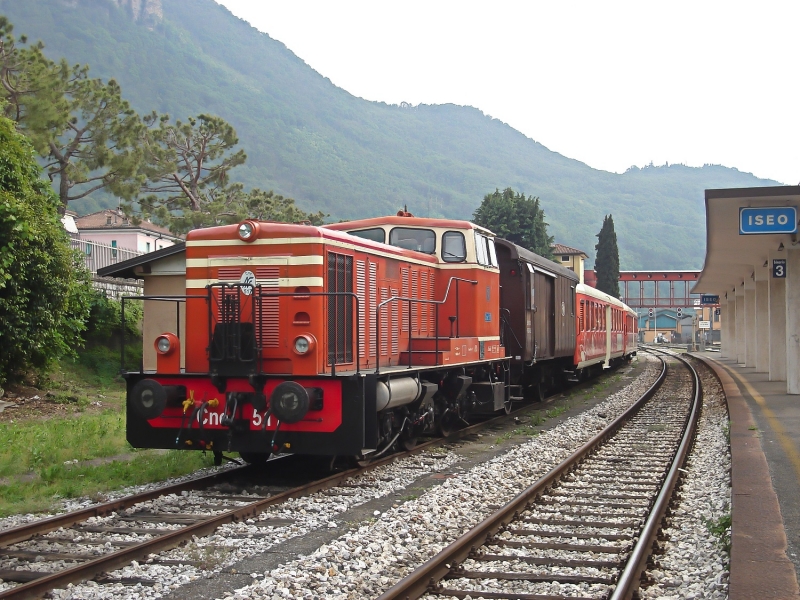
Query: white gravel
x=693, y=563
x=367, y=559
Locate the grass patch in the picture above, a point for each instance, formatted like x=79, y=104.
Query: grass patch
x=556, y=411
x=81, y=417
x=721, y=529
x=537, y=419
x=58, y=482
x=35, y=445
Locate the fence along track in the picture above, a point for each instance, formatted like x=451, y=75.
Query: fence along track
x=594, y=541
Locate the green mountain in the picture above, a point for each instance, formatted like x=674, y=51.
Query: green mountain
x=310, y=140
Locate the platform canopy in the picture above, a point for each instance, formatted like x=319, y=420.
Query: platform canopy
x=731, y=257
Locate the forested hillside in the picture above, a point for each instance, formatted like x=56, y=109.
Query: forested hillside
x=331, y=151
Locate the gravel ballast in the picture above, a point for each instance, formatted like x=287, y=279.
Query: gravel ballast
x=370, y=556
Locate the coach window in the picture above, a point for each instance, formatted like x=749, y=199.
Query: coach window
x=454, y=247
x=376, y=234
x=421, y=240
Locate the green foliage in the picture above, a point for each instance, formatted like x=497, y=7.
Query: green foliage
x=189, y=172
x=720, y=528
x=88, y=135
x=607, y=264
x=518, y=219
x=43, y=286
x=268, y=206
x=105, y=317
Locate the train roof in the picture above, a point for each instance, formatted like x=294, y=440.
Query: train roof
x=406, y=221
x=588, y=290
x=520, y=253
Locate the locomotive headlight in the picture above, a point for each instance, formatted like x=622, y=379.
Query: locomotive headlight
x=303, y=344
x=289, y=402
x=248, y=231
x=163, y=344
x=245, y=230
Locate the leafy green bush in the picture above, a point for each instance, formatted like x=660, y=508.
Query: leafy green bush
x=44, y=290
x=105, y=318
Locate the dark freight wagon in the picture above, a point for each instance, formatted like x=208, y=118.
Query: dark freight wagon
x=537, y=302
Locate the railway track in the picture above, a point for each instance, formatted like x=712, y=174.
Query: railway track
x=53, y=552
x=586, y=529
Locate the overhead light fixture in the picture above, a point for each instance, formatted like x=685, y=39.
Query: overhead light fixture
x=766, y=262
x=780, y=247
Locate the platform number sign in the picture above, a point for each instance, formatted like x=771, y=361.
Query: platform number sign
x=779, y=268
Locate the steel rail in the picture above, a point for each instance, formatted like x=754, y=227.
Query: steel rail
x=418, y=582
x=27, y=531
x=628, y=582
x=87, y=570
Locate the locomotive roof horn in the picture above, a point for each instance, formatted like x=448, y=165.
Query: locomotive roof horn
x=404, y=212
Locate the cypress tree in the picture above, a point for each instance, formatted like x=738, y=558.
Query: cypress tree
x=607, y=262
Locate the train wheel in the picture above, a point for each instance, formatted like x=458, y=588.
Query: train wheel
x=448, y=425
x=409, y=443
x=362, y=460
x=254, y=458
x=537, y=391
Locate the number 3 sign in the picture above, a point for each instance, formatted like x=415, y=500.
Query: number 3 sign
x=779, y=267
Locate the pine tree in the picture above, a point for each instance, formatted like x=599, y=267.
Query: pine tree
x=518, y=219
x=606, y=264
x=86, y=132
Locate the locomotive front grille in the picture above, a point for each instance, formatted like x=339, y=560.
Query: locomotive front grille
x=233, y=348
x=340, y=309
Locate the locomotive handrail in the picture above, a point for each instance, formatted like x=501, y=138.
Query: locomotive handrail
x=436, y=303
x=177, y=298
x=356, y=319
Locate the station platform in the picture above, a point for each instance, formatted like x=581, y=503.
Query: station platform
x=765, y=478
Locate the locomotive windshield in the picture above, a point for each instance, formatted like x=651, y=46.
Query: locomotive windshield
x=376, y=234
x=421, y=240
x=454, y=247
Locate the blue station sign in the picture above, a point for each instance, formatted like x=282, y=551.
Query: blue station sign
x=764, y=220
x=709, y=299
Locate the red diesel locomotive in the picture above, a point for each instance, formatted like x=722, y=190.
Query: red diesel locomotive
x=355, y=338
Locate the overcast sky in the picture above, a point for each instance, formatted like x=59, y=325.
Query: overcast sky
x=612, y=84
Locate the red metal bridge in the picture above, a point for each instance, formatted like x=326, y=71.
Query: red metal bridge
x=655, y=289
